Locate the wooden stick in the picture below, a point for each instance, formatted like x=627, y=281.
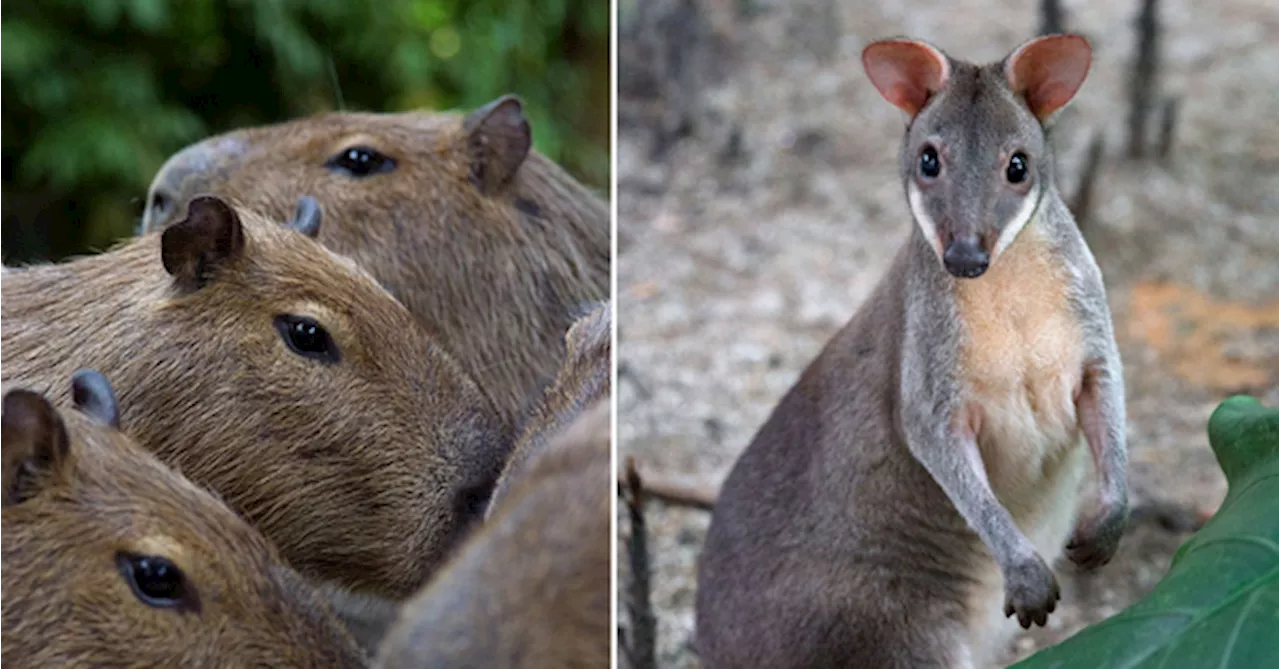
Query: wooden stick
x=1050, y=17
x=1083, y=199
x=702, y=498
x=1168, y=119
x=641, y=649
x=1142, y=85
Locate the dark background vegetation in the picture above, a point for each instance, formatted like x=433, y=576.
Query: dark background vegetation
x=98, y=93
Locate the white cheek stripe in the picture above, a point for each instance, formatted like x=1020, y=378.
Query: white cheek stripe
x=927, y=226
x=1025, y=212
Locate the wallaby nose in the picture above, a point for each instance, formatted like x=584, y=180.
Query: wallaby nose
x=965, y=258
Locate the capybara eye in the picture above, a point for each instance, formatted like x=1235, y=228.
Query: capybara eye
x=929, y=165
x=361, y=161
x=154, y=579
x=307, y=338
x=1017, y=170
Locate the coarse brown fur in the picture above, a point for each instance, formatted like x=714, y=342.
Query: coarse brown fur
x=490, y=245
x=583, y=381
x=363, y=471
x=80, y=496
x=531, y=589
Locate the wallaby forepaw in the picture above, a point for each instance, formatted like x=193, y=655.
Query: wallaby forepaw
x=1031, y=591
x=1095, y=542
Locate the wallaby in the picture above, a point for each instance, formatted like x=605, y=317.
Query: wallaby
x=932, y=458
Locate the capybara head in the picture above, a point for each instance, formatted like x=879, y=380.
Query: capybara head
x=582, y=383
x=280, y=375
x=111, y=559
x=489, y=244
x=531, y=589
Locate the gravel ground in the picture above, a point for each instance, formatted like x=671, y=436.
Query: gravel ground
x=745, y=246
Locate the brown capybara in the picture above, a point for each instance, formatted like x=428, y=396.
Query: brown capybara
x=111, y=559
x=280, y=375
x=583, y=380
x=490, y=245
x=531, y=589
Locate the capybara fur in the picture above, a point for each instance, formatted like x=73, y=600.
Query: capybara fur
x=530, y=590
x=112, y=559
x=583, y=381
x=265, y=367
x=489, y=244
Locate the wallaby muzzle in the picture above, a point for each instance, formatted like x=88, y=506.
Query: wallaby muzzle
x=965, y=258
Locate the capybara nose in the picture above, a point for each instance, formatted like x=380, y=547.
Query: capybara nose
x=160, y=206
x=185, y=174
x=965, y=258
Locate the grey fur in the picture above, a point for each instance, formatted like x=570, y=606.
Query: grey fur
x=853, y=529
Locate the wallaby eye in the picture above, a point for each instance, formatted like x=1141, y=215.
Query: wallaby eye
x=307, y=338
x=1016, y=173
x=155, y=580
x=929, y=165
x=361, y=161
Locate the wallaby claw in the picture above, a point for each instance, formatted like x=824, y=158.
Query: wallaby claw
x=1031, y=591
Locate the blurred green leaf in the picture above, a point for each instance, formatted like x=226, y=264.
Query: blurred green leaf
x=100, y=92
x=24, y=47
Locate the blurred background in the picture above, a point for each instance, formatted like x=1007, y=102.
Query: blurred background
x=759, y=202
x=98, y=93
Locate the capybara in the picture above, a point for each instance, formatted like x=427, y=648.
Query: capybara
x=531, y=589
x=582, y=382
x=112, y=559
x=280, y=375
x=490, y=245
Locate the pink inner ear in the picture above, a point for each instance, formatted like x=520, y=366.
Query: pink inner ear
x=1048, y=71
x=905, y=72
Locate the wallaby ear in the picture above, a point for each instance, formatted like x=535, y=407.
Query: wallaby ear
x=1047, y=71
x=498, y=140
x=35, y=440
x=94, y=397
x=906, y=72
x=196, y=246
x=307, y=216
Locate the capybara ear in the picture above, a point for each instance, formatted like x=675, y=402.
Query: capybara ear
x=1047, y=71
x=194, y=248
x=498, y=141
x=307, y=216
x=94, y=397
x=591, y=329
x=35, y=441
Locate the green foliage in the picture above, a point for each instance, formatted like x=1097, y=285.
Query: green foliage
x=1217, y=606
x=98, y=93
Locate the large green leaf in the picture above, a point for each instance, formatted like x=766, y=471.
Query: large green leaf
x=1217, y=606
